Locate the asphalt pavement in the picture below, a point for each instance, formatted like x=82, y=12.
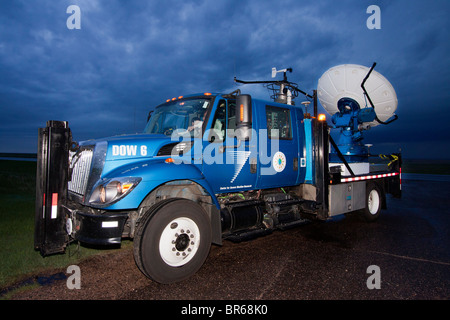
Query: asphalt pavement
x=404, y=255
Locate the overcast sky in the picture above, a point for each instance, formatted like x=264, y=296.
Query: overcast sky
x=129, y=56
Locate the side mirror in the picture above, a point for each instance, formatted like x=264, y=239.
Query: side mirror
x=244, y=117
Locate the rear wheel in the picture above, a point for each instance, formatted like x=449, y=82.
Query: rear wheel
x=373, y=202
x=173, y=240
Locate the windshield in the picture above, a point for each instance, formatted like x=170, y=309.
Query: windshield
x=184, y=115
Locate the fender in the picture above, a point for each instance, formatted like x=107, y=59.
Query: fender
x=158, y=173
x=155, y=173
x=194, y=190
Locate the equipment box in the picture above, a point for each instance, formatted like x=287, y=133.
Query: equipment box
x=346, y=197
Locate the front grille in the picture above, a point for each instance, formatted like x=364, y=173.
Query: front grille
x=80, y=166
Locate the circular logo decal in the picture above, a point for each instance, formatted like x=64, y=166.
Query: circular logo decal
x=279, y=161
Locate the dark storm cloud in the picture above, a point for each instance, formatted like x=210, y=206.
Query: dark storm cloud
x=131, y=55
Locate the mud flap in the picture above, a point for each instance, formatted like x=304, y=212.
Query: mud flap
x=50, y=234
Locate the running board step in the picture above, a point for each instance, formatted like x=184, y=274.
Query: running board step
x=293, y=224
x=248, y=235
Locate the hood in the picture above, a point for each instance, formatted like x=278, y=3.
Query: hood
x=134, y=146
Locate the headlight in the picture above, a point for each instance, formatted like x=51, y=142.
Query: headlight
x=112, y=190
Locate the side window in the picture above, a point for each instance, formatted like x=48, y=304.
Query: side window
x=278, y=123
x=231, y=117
x=217, y=132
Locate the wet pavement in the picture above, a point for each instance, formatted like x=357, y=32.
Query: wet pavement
x=408, y=247
x=409, y=244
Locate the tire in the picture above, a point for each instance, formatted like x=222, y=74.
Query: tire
x=373, y=202
x=172, y=240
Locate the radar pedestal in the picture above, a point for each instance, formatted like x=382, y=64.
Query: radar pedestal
x=358, y=98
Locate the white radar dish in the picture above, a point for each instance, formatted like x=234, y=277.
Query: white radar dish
x=344, y=81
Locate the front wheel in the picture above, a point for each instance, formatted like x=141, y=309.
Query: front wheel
x=373, y=202
x=173, y=241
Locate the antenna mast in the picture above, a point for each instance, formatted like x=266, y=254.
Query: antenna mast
x=283, y=91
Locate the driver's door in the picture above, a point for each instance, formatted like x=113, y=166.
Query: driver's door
x=226, y=166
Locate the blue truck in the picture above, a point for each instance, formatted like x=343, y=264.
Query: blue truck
x=206, y=168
